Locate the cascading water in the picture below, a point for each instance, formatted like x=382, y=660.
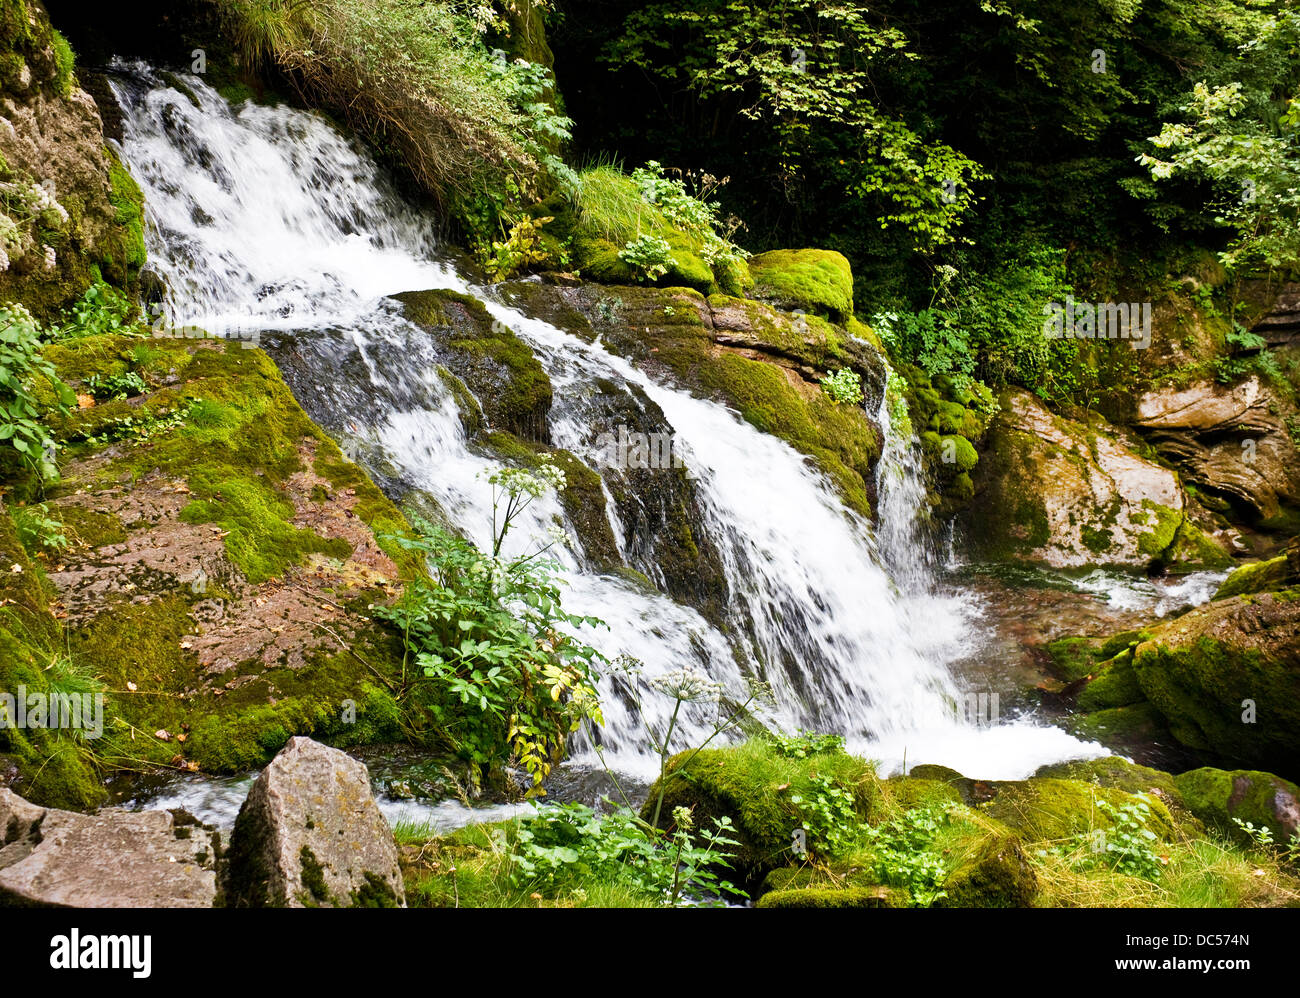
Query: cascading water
x=266, y=223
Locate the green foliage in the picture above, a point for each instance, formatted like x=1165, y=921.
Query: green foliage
x=1240, y=136
x=987, y=326
x=21, y=429
x=1127, y=846
x=562, y=846
x=805, y=744
x=116, y=386
x=38, y=530
x=521, y=249
x=478, y=131
x=828, y=815
x=648, y=256
x=905, y=855
x=844, y=387
x=101, y=310
x=489, y=635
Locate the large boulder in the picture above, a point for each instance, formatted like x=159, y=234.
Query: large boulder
x=1057, y=492
x=1220, y=798
x=1226, y=676
x=311, y=835
x=113, y=859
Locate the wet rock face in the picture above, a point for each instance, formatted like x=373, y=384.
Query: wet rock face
x=1056, y=492
x=1281, y=327
x=1227, y=441
x=311, y=835
x=113, y=859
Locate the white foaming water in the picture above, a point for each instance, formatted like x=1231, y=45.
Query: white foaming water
x=267, y=218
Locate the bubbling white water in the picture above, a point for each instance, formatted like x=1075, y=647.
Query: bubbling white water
x=265, y=218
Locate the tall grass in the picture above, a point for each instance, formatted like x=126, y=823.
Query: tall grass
x=412, y=76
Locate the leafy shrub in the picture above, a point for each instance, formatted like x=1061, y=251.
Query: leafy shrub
x=21, y=428
x=508, y=679
x=844, y=387
x=904, y=853
x=100, y=311
x=115, y=386
x=562, y=845
x=1127, y=847
x=806, y=744
x=648, y=256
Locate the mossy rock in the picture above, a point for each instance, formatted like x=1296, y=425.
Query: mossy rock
x=671, y=331
x=1226, y=676
x=1054, y=809
x=753, y=785
x=1115, y=685
x=912, y=791
x=1218, y=796
x=1122, y=728
x=833, y=897
x=1074, y=657
x=995, y=874
x=1115, y=773
x=817, y=280
x=1257, y=577
x=509, y=383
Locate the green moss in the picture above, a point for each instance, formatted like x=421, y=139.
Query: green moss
x=312, y=877
x=125, y=250
x=1257, y=577
x=1217, y=797
x=995, y=874
x=509, y=383
x=753, y=785
x=833, y=897
x=257, y=537
x=1121, y=727
x=1203, y=675
x=962, y=451
x=1117, y=774
x=817, y=280
x=911, y=792
x=1116, y=685
x=88, y=528
x=1073, y=657
x=1165, y=525
x=1052, y=809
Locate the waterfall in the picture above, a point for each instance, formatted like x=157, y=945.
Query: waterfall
x=267, y=224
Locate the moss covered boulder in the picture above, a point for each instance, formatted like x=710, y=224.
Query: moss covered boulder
x=1220, y=798
x=1060, y=493
x=1046, y=809
x=763, y=793
x=1263, y=576
x=69, y=211
x=1226, y=677
x=763, y=363
x=815, y=280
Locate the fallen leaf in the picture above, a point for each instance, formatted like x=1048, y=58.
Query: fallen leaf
x=132, y=687
x=162, y=735
x=85, y=401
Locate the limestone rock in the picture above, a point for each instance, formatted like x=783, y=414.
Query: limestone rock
x=311, y=835
x=112, y=859
x=1056, y=492
x=1227, y=441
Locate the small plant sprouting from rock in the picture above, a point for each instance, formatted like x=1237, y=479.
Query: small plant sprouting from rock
x=844, y=387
